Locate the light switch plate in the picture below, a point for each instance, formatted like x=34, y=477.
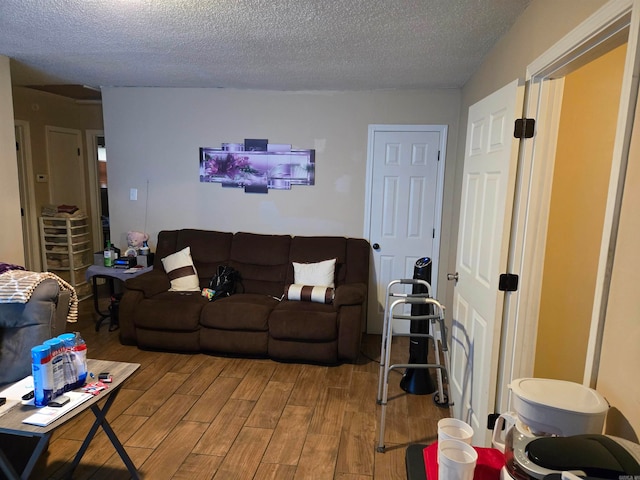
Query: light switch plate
x=133, y=194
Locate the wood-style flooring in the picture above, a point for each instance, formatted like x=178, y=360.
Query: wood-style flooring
x=201, y=416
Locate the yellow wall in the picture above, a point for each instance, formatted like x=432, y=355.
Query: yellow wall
x=619, y=372
x=579, y=194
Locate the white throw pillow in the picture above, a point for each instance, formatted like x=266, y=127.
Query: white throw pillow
x=315, y=274
x=181, y=271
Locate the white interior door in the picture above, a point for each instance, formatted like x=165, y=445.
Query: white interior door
x=405, y=207
x=483, y=241
x=66, y=167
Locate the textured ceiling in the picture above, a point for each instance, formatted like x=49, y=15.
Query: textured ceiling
x=252, y=44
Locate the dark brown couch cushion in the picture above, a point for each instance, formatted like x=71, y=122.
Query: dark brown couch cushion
x=175, y=311
x=262, y=261
x=249, y=311
x=208, y=249
x=167, y=240
x=238, y=342
x=296, y=351
x=303, y=321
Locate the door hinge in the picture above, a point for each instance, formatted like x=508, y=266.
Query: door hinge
x=524, y=128
x=492, y=418
x=433, y=233
x=17, y=147
x=438, y=155
x=78, y=152
x=508, y=282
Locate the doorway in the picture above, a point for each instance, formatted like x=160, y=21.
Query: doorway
x=104, y=189
x=98, y=187
x=27, y=196
x=582, y=167
x=66, y=180
x=403, y=206
x=607, y=29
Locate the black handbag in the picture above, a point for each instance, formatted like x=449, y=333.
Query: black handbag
x=225, y=282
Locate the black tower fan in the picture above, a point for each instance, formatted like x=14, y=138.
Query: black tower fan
x=418, y=380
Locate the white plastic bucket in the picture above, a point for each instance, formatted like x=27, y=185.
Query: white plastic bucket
x=456, y=460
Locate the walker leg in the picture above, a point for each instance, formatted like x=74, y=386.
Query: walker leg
x=443, y=399
x=381, y=447
x=381, y=371
x=385, y=389
x=383, y=343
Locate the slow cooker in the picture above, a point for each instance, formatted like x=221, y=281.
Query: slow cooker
x=590, y=456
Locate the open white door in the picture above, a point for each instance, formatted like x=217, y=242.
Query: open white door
x=483, y=241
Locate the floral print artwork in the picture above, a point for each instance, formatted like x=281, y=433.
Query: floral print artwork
x=257, y=171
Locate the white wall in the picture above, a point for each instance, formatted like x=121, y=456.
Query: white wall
x=153, y=134
x=11, y=243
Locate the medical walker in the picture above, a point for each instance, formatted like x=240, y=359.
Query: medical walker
x=437, y=329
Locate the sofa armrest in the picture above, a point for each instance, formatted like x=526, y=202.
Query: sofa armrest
x=150, y=283
x=350, y=303
x=350, y=294
x=25, y=325
x=126, y=313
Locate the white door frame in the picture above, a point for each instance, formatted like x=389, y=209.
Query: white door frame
x=94, y=188
x=608, y=27
x=442, y=130
x=30, y=235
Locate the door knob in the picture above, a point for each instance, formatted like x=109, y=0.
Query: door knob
x=453, y=276
x=375, y=246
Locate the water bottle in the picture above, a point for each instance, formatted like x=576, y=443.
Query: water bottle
x=42, y=372
x=108, y=255
x=144, y=250
x=57, y=364
x=80, y=351
x=70, y=367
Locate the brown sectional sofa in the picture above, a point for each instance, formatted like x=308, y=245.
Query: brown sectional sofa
x=253, y=322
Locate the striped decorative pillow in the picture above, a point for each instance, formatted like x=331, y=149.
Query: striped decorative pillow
x=181, y=271
x=309, y=293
